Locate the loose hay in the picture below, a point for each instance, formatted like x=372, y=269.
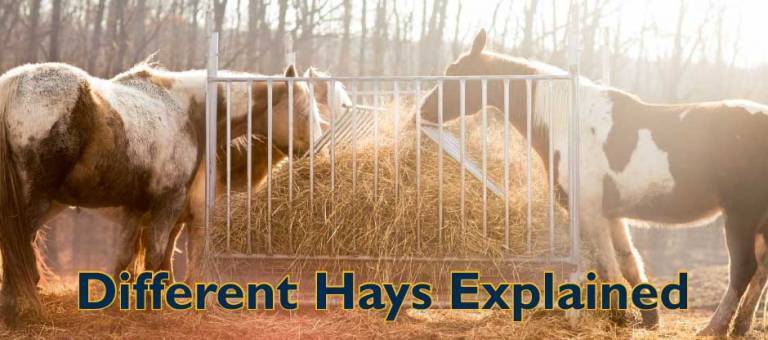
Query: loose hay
x=370, y=218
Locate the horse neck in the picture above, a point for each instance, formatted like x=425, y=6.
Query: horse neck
x=239, y=161
x=541, y=124
x=260, y=106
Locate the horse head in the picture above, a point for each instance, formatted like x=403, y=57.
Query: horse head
x=478, y=62
x=340, y=97
x=306, y=119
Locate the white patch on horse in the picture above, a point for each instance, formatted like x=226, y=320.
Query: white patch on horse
x=647, y=173
x=43, y=95
x=750, y=106
x=153, y=127
x=595, y=112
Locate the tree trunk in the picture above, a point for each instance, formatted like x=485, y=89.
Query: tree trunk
x=456, y=43
x=54, y=53
x=192, y=55
x=93, y=51
x=526, y=47
x=363, y=34
x=219, y=11
x=379, y=50
x=344, y=49
x=278, y=44
x=140, y=35
x=34, y=34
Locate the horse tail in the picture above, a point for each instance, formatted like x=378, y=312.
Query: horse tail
x=19, y=263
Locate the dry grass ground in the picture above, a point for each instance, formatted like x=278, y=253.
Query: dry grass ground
x=63, y=320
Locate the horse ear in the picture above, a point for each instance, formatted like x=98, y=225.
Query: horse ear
x=479, y=44
x=290, y=72
x=310, y=73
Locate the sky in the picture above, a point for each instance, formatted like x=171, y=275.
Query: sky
x=743, y=21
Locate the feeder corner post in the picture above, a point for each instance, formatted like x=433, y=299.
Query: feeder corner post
x=211, y=89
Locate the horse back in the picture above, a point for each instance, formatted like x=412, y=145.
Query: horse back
x=94, y=143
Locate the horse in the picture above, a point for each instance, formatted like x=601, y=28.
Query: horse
x=132, y=142
x=644, y=163
x=192, y=221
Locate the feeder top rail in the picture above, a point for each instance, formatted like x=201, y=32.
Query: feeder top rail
x=562, y=76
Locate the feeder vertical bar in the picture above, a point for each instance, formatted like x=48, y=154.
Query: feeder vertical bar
x=506, y=162
x=355, y=135
x=269, y=166
x=573, y=140
x=462, y=153
x=418, y=169
x=440, y=164
x=249, y=166
x=484, y=88
x=228, y=145
x=376, y=139
x=290, y=159
x=396, y=101
x=550, y=108
x=210, y=127
x=312, y=149
x=332, y=106
x=574, y=165
x=529, y=124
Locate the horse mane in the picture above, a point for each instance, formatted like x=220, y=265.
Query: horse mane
x=143, y=68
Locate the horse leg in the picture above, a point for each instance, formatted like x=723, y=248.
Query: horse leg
x=130, y=228
x=195, y=229
x=596, y=230
x=195, y=248
x=162, y=219
x=740, y=239
x=20, y=268
x=631, y=265
x=167, y=263
x=746, y=313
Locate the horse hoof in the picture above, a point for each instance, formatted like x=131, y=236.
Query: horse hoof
x=711, y=331
x=621, y=318
x=650, y=319
x=741, y=329
x=10, y=317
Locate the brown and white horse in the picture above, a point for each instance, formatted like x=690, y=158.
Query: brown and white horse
x=193, y=219
x=657, y=163
x=134, y=142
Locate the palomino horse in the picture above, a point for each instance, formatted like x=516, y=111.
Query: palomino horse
x=134, y=142
x=192, y=221
x=658, y=163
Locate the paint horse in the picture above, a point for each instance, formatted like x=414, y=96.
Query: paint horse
x=652, y=163
x=132, y=142
x=192, y=220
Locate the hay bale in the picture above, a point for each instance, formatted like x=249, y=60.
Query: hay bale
x=378, y=221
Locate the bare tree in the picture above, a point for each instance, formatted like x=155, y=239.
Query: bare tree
x=219, y=11
x=193, y=32
x=380, y=37
x=456, y=47
x=363, y=35
x=277, y=44
x=34, y=33
x=344, y=49
x=526, y=47
x=54, y=53
x=93, y=51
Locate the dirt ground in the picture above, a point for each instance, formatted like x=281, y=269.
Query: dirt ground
x=63, y=320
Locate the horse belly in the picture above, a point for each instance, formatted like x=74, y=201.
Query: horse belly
x=104, y=180
x=647, y=190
